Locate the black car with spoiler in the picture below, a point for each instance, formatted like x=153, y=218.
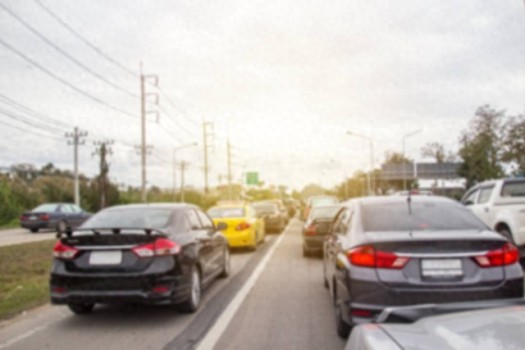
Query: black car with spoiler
x=148, y=253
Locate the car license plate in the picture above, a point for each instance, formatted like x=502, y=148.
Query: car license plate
x=441, y=268
x=105, y=258
x=32, y=217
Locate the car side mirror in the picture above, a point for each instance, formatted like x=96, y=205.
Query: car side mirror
x=221, y=226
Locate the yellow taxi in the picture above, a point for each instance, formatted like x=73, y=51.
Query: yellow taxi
x=244, y=228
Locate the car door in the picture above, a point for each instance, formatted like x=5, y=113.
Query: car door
x=333, y=243
x=203, y=240
x=482, y=208
x=76, y=216
x=215, y=241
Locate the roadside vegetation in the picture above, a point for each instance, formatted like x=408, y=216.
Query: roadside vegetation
x=24, y=276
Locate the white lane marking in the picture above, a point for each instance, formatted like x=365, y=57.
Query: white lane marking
x=22, y=336
x=212, y=337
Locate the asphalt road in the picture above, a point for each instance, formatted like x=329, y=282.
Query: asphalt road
x=18, y=235
x=285, y=307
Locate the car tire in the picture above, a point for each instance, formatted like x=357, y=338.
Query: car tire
x=226, y=270
x=194, y=299
x=62, y=226
x=506, y=233
x=343, y=329
x=305, y=252
x=81, y=309
x=33, y=230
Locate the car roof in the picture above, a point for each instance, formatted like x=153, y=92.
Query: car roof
x=153, y=205
x=399, y=199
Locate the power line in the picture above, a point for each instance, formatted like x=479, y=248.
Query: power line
x=65, y=82
x=23, y=120
x=65, y=54
x=85, y=41
x=25, y=130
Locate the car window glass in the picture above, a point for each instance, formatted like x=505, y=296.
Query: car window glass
x=193, y=219
x=205, y=220
x=46, y=208
x=513, y=189
x=66, y=209
x=484, y=194
x=471, y=197
x=341, y=222
x=76, y=209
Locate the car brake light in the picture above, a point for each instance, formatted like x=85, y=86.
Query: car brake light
x=44, y=217
x=367, y=256
x=506, y=255
x=161, y=247
x=23, y=218
x=311, y=230
x=242, y=226
x=361, y=313
x=63, y=251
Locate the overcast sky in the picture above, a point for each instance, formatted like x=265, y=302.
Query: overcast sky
x=284, y=80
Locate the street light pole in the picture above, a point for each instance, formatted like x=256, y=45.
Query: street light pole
x=175, y=167
x=404, y=157
x=370, y=190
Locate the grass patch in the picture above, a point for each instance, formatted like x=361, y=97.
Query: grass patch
x=15, y=223
x=24, y=276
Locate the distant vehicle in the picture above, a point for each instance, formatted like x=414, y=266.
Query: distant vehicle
x=500, y=204
x=315, y=201
x=147, y=253
x=495, y=325
x=414, y=193
x=392, y=251
x=282, y=209
x=274, y=220
x=316, y=227
x=59, y=216
x=244, y=228
x=292, y=206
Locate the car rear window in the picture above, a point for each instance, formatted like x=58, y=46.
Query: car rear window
x=218, y=213
x=423, y=217
x=46, y=208
x=327, y=212
x=513, y=189
x=265, y=208
x=130, y=218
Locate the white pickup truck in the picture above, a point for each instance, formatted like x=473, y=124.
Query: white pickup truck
x=501, y=205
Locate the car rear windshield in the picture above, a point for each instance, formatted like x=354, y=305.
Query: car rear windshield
x=513, y=189
x=266, y=208
x=327, y=212
x=323, y=201
x=423, y=217
x=46, y=208
x=218, y=213
x=130, y=218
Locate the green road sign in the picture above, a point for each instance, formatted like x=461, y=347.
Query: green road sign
x=252, y=178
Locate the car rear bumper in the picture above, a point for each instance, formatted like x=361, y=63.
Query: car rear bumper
x=313, y=243
x=240, y=239
x=375, y=297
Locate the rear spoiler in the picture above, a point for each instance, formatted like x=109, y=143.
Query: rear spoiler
x=115, y=230
x=410, y=314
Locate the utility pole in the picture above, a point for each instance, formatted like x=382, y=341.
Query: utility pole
x=76, y=135
x=228, y=147
x=175, y=167
x=143, y=112
x=103, y=150
x=183, y=166
x=205, y=135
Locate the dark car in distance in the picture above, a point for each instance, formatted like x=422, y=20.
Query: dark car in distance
x=148, y=253
x=59, y=216
x=273, y=217
x=396, y=251
x=316, y=227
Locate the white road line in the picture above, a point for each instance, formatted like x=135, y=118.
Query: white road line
x=212, y=337
x=22, y=336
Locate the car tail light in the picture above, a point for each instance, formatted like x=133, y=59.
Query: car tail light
x=58, y=289
x=63, y=251
x=161, y=247
x=361, y=313
x=311, y=230
x=23, y=218
x=242, y=226
x=44, y=217
x=367, y=256
x=506, y=255
x=160, y=289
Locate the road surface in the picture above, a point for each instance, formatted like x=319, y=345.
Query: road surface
x=18, y=235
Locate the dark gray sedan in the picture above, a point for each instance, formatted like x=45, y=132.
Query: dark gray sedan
x=388, y=251
x=59, y=216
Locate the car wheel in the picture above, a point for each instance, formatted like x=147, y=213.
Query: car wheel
x=81, y=309
x=192, y=304
x=506, y=233
x=62, y=226
x=33, y=230
x=343, y=328
x=325, y=280
x=305, y=252
x=227, y=266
